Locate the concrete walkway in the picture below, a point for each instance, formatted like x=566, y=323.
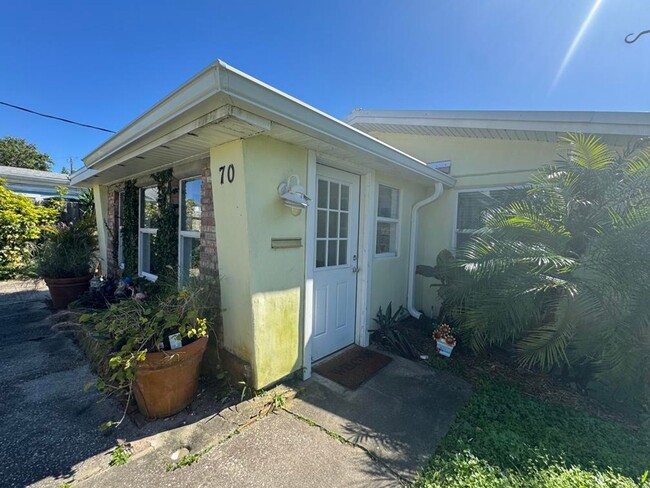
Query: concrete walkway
x=398, y=416
x=325, y=435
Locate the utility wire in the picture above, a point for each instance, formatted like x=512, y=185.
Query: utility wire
x=57, y=118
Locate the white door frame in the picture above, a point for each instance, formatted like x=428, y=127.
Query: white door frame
x=366, y=197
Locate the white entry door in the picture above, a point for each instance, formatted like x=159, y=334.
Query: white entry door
x=335, y=264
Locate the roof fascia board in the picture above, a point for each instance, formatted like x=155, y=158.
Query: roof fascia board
x=299, y=116
x=197, y=89
x=278, y=106
x=82, y=175
x=615, y=123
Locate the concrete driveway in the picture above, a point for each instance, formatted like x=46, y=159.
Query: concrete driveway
x=381, y=434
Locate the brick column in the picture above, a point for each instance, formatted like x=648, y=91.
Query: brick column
x=113, y=225
x=208, y=265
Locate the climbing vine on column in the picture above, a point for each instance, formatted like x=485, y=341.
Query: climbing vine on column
x=165, y=246
x=130, y=224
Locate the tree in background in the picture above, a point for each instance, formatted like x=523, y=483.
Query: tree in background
x=18, y=153
x=21, y=223
x=563, y=273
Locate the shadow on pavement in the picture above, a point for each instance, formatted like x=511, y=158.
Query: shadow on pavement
x=49, y=429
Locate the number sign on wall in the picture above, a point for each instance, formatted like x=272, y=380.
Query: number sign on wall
x=227, y=173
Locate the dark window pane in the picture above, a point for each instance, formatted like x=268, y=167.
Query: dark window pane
x=470, y=208
x=345, y=197
x=333, y=230
x=386, y=237
x=321, y=224
x=388, y=202
x=322, y=194
x=148, y=258
x=331, y=252
x=320, y=253
x=343, y=225
x=472, y=205
x=334, y=196
x=343, y=252
x=462, y=238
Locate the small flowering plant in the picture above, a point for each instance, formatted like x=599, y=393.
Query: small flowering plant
x=443, y=333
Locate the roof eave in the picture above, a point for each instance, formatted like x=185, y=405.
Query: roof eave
x=242, y=89
x=615, y=123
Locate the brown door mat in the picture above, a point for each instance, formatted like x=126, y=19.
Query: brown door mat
x=353, y=366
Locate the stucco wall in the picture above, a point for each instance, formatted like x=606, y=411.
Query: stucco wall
x=262, y=288
x=277, y=280
x=476, y=163
x=390, y=274
x=231, y=228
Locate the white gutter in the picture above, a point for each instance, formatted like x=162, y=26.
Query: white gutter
x=413, y=248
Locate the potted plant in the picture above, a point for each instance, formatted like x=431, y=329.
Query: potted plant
x=445, y=340
x=64, y=260
x=156, y=349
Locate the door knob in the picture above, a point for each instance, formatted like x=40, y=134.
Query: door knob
x=355, y=269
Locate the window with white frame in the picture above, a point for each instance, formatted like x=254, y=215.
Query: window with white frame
x=190, y=229
x=473, y=203
x=387, y=240
x=149, y=214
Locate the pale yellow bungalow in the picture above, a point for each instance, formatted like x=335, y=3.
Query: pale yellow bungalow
x=311, y=223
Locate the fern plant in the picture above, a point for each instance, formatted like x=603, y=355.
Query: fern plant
x=563, y=272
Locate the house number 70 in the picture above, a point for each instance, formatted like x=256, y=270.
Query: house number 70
x=227, y=172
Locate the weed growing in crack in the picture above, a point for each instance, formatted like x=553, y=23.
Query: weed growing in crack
x=120, y=455
x=187, y=460
x=278, y=401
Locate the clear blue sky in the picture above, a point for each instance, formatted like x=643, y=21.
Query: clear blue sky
x=104, y=63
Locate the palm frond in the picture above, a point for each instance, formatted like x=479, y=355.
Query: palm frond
x=588, y=151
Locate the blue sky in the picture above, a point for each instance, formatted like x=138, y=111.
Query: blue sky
x=104, y=63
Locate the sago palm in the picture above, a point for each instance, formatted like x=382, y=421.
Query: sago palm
x=563, y=274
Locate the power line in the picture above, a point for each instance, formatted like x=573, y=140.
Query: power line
x=57, y=118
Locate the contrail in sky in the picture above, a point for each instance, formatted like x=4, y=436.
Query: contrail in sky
x=576, y=42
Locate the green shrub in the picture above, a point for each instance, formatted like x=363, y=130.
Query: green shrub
x=562, y=273
x=67, y=251
x=129, y=329
x=21, y=224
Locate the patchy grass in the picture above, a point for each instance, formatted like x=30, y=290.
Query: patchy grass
x=504, y=438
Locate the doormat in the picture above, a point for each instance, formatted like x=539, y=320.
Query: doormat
x=353, y=367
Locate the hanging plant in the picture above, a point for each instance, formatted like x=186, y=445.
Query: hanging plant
x=130, y=228
x=165, y=246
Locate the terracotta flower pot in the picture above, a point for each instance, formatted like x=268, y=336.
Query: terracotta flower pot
x=166, y=382
x=65, y=290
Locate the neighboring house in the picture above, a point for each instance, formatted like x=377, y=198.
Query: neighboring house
x=297, y=285
x=488, y=154
x=38, y=185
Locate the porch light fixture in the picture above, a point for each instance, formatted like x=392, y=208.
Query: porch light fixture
x=293, y=194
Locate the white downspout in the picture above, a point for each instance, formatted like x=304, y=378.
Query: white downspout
x=413, y=248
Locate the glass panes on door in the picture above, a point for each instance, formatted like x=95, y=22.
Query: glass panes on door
x=332, y=224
